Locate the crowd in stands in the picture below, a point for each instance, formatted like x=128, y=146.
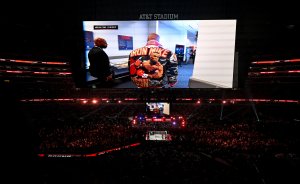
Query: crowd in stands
x=235, y=149
x=70, y=126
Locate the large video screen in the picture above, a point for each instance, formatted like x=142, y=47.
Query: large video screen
x=181, y=54
x=159, y=108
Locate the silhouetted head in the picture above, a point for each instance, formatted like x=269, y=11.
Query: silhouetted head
x=153, y=36
x=100, y=42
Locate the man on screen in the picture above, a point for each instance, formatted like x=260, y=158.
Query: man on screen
x=99, y=62
x=152, y=66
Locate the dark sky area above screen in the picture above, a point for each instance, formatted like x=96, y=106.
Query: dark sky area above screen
x=205, y=50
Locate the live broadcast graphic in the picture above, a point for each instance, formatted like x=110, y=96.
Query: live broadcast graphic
x=161, y=108
x=159, y=53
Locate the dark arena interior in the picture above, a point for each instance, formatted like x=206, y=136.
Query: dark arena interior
x=58, y=126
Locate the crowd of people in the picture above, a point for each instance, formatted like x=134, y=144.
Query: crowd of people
x=69, y=126
x=237, y=149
